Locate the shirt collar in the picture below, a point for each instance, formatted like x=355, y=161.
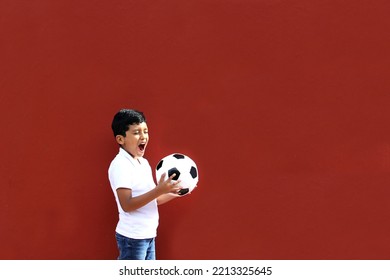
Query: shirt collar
x=128, y=156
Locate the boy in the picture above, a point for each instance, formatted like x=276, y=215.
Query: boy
x=134, y=189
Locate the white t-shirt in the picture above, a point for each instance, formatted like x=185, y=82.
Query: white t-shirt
x=127, y=172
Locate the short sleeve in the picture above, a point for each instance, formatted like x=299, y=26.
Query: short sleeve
x=120, y=176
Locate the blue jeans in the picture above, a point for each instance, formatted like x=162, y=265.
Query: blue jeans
x=135, y=249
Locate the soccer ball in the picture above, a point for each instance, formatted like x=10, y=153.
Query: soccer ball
x=185, y=169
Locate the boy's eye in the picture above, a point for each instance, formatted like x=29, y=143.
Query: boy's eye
x=138, y=132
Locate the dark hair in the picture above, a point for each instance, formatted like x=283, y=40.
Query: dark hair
x=124, y=118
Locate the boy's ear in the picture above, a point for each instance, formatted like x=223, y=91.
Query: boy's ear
x=120, y=139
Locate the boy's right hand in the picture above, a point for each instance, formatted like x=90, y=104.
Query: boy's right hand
x=169, y=185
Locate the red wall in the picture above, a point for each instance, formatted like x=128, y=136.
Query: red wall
x=282, y=104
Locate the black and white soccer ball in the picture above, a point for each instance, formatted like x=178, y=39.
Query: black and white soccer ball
x=185, y=169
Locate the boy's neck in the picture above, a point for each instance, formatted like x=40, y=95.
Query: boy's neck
x=137, y=159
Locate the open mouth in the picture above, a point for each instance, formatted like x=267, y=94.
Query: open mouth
x=142, y=147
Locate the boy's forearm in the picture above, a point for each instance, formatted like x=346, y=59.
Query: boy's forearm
x=133, y=203
x=165, y=198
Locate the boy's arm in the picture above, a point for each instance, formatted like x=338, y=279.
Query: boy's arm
x=130, y=203
x=166, y=197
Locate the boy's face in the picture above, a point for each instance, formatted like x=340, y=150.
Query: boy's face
x=136, y=139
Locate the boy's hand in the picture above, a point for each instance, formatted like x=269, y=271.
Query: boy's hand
x=169, y=185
